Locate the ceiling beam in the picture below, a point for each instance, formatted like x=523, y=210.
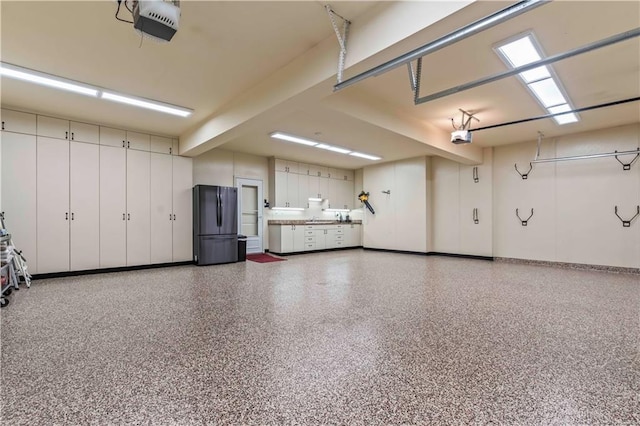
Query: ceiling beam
x=308, y=78
x=365, y=107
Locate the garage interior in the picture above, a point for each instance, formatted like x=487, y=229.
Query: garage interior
x=495, y=280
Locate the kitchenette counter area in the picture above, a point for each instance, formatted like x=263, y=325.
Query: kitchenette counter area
x=295, y=236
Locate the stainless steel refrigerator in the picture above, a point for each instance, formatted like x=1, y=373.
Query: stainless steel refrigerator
x=215, y=224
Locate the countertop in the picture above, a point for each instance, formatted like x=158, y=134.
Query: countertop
x=307, y=222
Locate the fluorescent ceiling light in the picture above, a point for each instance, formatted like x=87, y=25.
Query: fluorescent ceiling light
x=541, y=81
x=291, y=138
x=547, y=92
x=143, y=103
x=366, y=156
x=14, y=71
x=321, y=145
x=19, y=73
x=564, y=118
x=333, y=148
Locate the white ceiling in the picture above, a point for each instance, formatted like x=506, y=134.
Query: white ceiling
x=224, y=49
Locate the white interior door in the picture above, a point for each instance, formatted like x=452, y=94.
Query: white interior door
x=250, y=213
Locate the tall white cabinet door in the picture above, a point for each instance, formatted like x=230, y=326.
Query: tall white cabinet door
x=53, y=205
x=138, y=208
x=19, y=193
x=113, y=206
x=161, y=208
x=182, y=209
x=84, y=206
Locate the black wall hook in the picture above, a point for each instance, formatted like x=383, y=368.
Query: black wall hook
x=524, y=222
x=524, y=175
x=627, y=223
x=475, y=216
x=627, y=166
x=476, y=179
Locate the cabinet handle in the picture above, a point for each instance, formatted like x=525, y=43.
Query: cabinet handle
x=66, y=135
x=122, y=216
x=174, y=217
x=72, y=215
x=66, y=216
x=170, y=151
x=128, y=216
x=128, y=144
x=3, y=125
x=169, y=216
x=123, y=144
x=73, y=137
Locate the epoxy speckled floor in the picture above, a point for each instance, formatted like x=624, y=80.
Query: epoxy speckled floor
x=352, y=337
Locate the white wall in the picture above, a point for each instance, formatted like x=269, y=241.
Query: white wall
x=401, y=219
x=573, y=201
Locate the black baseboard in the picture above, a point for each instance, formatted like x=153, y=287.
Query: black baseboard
x=433, y=253
x=107, y=270
x=462, y=256
x=313, y=251
x=419, y=253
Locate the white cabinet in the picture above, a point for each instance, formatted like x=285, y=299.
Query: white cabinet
x=138, y=207
x=161, y=145
x=341, y=194
x=52, y=195
x=18, y=122
x=175, y=149
x=286, y=238
x=161, y=197
x=138, y=141
x=19, y=185
x=113, y=206
x=70, y=130
x=83, y=132
x=52, y=127
x=286, y=190
x=318, y=187
x=286, y=166
x=353, y=235
x=182, y=209
x=113, y=137
x=84, y=206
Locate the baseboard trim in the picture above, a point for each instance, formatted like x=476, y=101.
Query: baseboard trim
x=462, y=256
x=419, y=253
x=107, y=270
x=313, y=251
x=566, y=265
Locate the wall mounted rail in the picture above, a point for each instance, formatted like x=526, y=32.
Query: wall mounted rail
x=447, y=40
x=588, y=156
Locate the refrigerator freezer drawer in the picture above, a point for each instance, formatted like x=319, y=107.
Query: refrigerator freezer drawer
x=215, y=249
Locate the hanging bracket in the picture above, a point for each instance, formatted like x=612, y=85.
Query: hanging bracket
x=342, y=38
x=475, y=216
x=476, y=179
x=627, y=166
x=524, y=222
x=627, y=223
x=524, y=176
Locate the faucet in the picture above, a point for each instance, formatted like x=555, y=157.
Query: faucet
x=313, y=219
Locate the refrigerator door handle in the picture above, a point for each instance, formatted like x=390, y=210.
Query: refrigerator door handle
x=219, y=212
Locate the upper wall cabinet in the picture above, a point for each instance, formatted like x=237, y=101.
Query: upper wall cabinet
x=161, y=145
x=69, y=130
x=18, y=122
x=286, y=166
x=138, y=141
x=113, y=137
x=175, y=150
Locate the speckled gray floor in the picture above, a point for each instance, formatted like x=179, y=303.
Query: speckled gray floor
x=353, y=337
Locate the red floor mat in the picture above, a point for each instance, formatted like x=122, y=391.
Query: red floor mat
x=263, y=258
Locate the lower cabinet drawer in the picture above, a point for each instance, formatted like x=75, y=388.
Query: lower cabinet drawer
x=339, y=243
x=310, y=246
x=339, y=237
x=310, y=239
